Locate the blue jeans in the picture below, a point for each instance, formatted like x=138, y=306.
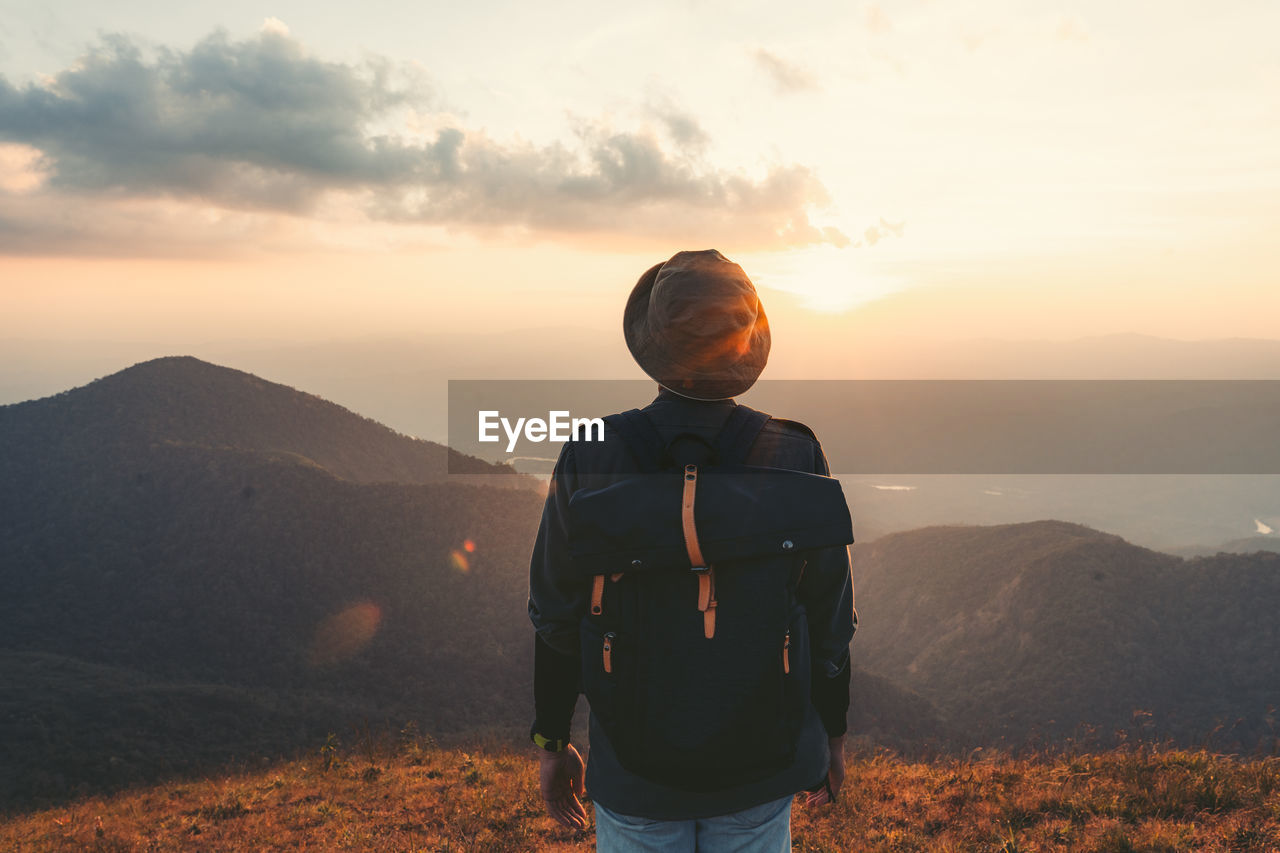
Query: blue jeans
x=759, y=829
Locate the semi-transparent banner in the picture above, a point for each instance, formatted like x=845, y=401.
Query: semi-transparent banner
x=921, y=426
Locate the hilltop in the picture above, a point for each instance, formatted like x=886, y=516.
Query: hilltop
x=185, y=402
x=424, y=798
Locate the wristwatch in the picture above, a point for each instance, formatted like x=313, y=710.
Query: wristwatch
x=547, y=743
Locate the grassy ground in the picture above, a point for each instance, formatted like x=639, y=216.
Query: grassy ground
x=418, y=798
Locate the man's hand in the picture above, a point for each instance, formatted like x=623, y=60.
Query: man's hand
x=835, y=776
x=560, y=780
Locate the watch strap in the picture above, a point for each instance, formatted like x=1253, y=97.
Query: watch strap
x=549, y=744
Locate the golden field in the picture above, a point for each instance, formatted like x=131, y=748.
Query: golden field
x=418, y=797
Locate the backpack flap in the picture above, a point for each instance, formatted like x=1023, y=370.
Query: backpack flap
x=742, y=512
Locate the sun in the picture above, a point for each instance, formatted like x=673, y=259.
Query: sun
x=826, y=279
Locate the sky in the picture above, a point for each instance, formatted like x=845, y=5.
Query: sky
x=909, y=171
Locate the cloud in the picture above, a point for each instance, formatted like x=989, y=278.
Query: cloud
x=20, y=170
x=884, y=228
x=260, y=125
x=255, y=124
x=275, y=26
x=788, y=78
x=684, y=129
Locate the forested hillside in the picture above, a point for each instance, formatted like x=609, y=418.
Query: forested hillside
x=1045, y=630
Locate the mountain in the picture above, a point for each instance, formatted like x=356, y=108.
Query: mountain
x=402, y=381
x=199, y=567
x=182, y=401
x=1044, y=629
x=186, y=548
x=69, y=728
x=1245, y=545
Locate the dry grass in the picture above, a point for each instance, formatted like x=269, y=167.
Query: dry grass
x=423, y=798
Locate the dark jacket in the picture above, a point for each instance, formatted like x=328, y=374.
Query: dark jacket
x=558, y=602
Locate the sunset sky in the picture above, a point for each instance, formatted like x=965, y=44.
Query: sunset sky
x=296, y=171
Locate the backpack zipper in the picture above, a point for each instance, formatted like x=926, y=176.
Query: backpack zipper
x=608, y=651
x=786, y=653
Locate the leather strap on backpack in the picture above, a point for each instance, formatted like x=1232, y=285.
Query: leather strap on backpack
x=597, y=595
x=706, y=574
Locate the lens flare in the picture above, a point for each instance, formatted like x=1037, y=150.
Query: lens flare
x=345, y=634
x=459, y=557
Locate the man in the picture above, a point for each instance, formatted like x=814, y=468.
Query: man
x=695, y=325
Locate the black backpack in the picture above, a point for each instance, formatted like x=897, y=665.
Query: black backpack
x=695, y=651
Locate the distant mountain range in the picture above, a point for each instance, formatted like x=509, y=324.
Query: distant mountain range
x=1185, y=515
x=401, y=381
x=1245, y=545
x=199, y=566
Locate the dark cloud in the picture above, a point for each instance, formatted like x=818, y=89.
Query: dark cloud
x=684, y=129
x=787, y=77
x=248, y=124
x=260, y=124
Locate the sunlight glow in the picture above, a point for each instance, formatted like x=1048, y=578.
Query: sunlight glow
x=826, y=279
x=20, y=168
x=345, y=634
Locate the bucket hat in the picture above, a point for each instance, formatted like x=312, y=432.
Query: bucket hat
x=695, y=325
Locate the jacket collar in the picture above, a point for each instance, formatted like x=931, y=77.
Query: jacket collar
x=666, y=395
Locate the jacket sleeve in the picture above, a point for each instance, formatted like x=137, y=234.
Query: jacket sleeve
x=556, y=603
x=556, y=606
x=826, y=590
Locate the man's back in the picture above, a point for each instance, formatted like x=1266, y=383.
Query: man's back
x=557, y=607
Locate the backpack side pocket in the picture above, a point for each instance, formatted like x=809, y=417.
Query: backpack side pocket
x=607, y=680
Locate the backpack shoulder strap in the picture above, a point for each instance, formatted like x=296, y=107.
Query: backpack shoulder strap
x=641, y=438
x=739, y=433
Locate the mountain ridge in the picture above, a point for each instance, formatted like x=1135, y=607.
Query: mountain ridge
x=178, y=399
